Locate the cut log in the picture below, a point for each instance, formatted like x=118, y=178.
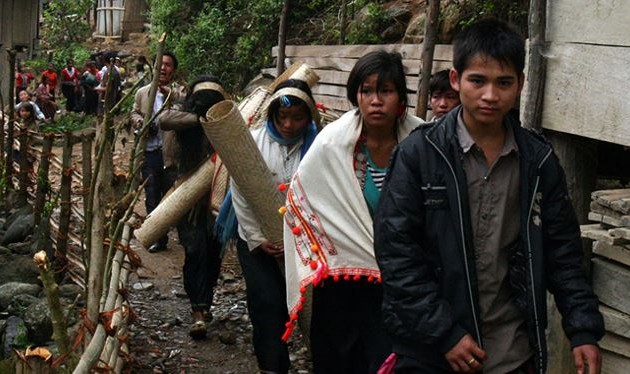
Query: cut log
x=610, y=221
x=604, y=210
x=610, y=283
x=596, y=232
x=617, y=344
x=617, y=253
x=620, y=232
x=616, y=322
x=613, y=363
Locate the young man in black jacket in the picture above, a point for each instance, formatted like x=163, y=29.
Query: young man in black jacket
x=474, y=226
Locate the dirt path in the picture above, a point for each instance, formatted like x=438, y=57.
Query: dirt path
x=159, y=337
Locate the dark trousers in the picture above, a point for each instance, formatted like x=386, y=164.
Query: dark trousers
x=347, y=334
x=91, y=101
x=266, y=302
x=411, y=365
x=202, y=262
x=71, y=97
x=158, y=183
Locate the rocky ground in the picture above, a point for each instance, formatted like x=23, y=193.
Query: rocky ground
x=159, y=337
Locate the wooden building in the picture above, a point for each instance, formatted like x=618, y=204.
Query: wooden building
x=116, y=19
x=19, y=29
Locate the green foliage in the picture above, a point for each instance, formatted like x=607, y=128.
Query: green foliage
x=367, y=29
x=230, y=39
x=69, y=122
x=514, y=12
x=65, y=23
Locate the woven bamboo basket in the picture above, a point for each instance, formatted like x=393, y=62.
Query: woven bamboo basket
x=177, y=203
x=225, y=128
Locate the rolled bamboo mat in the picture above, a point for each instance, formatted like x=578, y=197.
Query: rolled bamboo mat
x=219, y=186
x=173, y=207
x=225, y=128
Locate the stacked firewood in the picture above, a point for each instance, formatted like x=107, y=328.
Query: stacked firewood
x=611, y=273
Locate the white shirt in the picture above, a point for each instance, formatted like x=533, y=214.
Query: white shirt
x=282, y=161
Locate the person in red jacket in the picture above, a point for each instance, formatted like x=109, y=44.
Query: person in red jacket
x=51, y=75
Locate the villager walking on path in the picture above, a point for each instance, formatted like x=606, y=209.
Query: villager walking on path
x=475, y=225
x=289, y=130
x=190, y=148
x=328, y=225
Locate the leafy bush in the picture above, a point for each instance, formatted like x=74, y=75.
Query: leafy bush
x=69, y=122
x=367, y=29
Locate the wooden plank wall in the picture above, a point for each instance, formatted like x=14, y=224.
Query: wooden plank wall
x=333, y=64
x=586, y=91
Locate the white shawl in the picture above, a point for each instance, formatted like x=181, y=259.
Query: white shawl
x=327, y=227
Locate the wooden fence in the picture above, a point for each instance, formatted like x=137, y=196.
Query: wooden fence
x=333, y=64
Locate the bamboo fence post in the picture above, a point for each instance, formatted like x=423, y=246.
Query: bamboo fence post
x=94, y=349
x=43, y=185
x=428, y=48
x=86, y=167
x=8, y=169
x=23, y=179
x=100, y=200
x=3, y=122
x=47, y=276
x=65, y=195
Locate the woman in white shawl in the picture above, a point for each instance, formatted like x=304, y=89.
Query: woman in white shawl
x=328, y=221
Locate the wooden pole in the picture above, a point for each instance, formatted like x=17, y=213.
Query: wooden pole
x=282, y=37
x=43, y=185
x=8, y=169
x=65, y=192
x=428, y=47
x=101, y=198
x=47, y=276
x=23, y=180
x=3, y=122
x=86, y=167
x=343, y=22
x=536, y=66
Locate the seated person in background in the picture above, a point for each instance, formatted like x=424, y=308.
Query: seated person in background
x=25, y=98
x=442, y=97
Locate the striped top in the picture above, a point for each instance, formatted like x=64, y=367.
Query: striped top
x=377, y=174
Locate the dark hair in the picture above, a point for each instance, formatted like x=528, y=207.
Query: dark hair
x=387, y=65
x=29, y=107
x=490, y=38
x=199, y=102
x=193, y=142
x=274, y=106
x=172, y=56
x=440, y=82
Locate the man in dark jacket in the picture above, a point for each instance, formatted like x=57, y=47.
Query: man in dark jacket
x=475, y=225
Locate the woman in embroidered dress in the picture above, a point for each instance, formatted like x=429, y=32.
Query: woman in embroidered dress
x=328, y=224
x=290, y=128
